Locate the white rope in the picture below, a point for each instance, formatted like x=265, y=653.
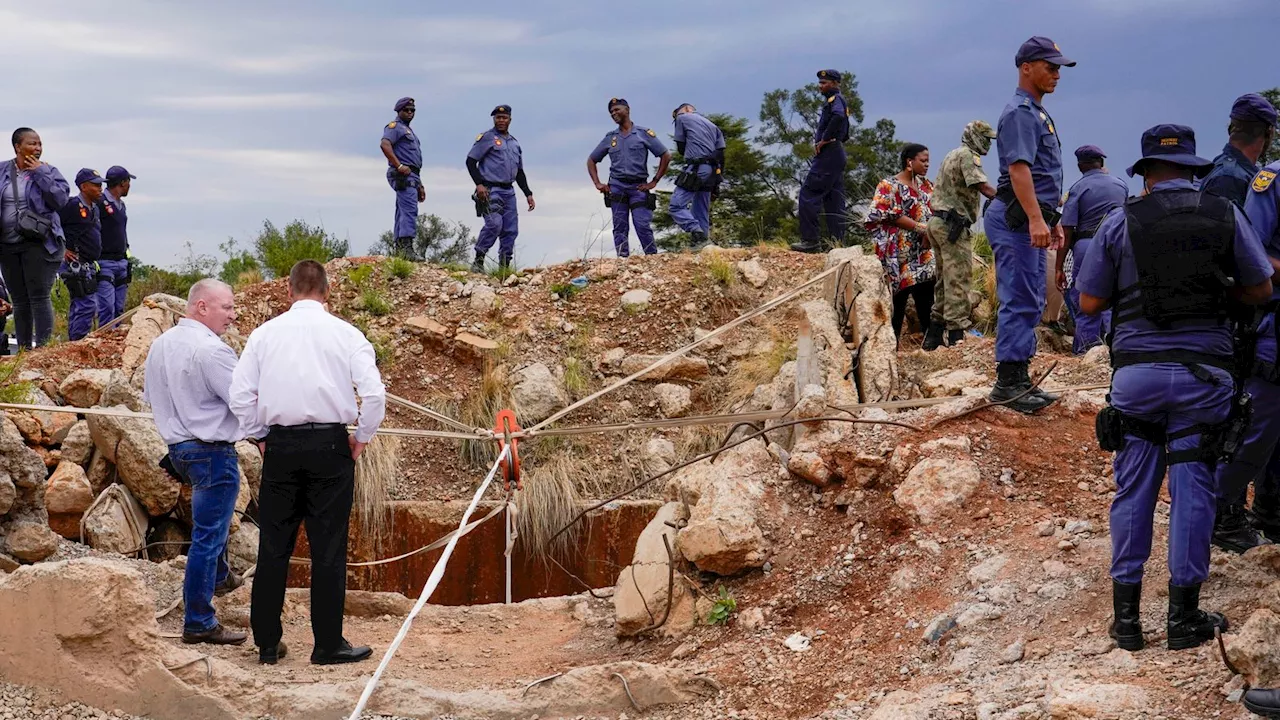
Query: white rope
x=437, y=573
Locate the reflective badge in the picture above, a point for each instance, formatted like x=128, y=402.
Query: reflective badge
x=111, y=209
x=977, y=160
x=478, y=137
x=831, y=99
x=391, y=124
x=84, y=212
x=1043, y=116
x=651, y=133
x=614, y=142
x=1263, y=181
x=497, y=141
x=1050, y=128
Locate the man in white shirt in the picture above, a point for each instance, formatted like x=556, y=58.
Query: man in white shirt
x=188, y=384
x=293, y=391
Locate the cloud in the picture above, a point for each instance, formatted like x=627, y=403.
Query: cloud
x=259, y=101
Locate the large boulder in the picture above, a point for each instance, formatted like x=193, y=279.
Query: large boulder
x=121, y=391
x=723, y=535
x=538, y=393
x=100, y=471
x=25, y=469
x=77, y=446
x=860, y=289
x=936, y=486
x=1253, y=648
x=640, y=597
x=158, y=313
x=680, y=368
x=8, y=492
x=117, y=522
x=250, y=467
x=242, y=547
x=658, y=455
x=136, y=447
x=30, y=542
x=66, y=498
x=83, y=388
x=832, y=357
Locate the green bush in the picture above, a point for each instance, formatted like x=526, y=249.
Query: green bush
x=359, y=276
x=279, y=250
x=399, y=267
x=724, y=607
x=372, y=302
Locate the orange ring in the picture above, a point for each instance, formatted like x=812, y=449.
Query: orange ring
x=506, y=424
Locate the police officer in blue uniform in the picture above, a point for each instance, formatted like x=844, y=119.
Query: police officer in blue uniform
x=701, y=144
x=115, y=268
x=79, y=271
x=404, y=173
x=629, y=190
x=1089, y=200
x=1021, y=220
x=1168, y=265
x=1252, y=127
x=823, y=190
x=495, y=163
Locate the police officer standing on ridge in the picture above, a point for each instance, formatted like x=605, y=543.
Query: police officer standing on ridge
x=957, y=192
x=702, y=145
x=114, y=266
x=1164, y=265
x=494, y=163
x=1252, y=126
x=79, y=270
x=1022, y=220
x=1089, y=200
x=823, y=188
x=629, y=190
x=404, y=174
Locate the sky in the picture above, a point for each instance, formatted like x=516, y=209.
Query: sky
x=233, y=113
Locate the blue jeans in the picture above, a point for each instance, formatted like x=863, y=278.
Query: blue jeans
x=214, y=473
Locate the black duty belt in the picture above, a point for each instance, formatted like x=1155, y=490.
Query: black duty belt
x=309, y=427
x=1121, y=359
x=1086, y=234
x=629, y=180
x=1006, y=195
x=504, y=186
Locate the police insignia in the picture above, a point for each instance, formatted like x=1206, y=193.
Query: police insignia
x=479, y=137
x=497, y=142
x=1050, y=128
x=614, y=142
x=977, y=160
x=651, y=133
x=831, y=99
x=1043, y=116
x=391, y=124
x=1263, y=181
x=84, y=212
x=111, y=210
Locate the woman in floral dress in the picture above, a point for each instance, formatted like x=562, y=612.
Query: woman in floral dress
x=897, y=219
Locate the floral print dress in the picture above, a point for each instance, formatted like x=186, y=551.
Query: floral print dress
x=907, y=260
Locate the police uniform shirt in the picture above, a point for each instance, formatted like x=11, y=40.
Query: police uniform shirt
x=701, y=136
x=833, y=121
x=629, y=153
x=1110, y=265
x=1262, y=206
x=1091, y=198
x=1230, y=177
x=404, y=143
x=499, y=156
x=81, y=227
x=114, y=218
x=1027, y=134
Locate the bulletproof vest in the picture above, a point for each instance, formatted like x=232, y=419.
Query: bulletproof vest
x=1182, y=244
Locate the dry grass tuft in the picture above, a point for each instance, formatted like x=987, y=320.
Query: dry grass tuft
x=549, y=500
x=479, y=409
x=377, y=473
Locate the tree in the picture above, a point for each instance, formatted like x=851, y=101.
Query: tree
x=1273, y=97
x=277, y=251
x=438, y=241
x=239, y=262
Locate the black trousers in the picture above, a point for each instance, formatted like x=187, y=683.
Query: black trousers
x=923, y=294
x=307, y=476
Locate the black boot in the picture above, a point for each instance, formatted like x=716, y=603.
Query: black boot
x=404, y=248
x=807, y=246
x=697, y=240
x=1011, y=381
x=477, y=265
x=932, y=337
x=504, y=264
x=954, y=337
x=1127, y=627
x=1189, y=626
x=1025, y=376
x=1232, y=531
x=1262, y=701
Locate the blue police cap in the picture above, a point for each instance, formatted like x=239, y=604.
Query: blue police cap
x=1172, y=144
x=1042, y=48
x=618, y=101
x=87, y=175
x=403, y=103
x=501, y=110
x=1085, y=153
x=116, y=174
x=832, y=75
x=1253, y=108
x=676, y=112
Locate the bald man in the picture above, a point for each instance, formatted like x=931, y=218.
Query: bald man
x=188, y=384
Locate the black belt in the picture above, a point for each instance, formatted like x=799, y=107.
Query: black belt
x=1121, y=359
x=1006, y=195
x=215, y=443
x=629, y=180
x=307, y=427
x=113, y=256
x=1086, y=234
x=504, y=186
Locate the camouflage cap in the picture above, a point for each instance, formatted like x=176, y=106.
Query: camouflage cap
x=983, y=128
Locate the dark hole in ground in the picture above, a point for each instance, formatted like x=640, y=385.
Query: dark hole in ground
x=476, y=571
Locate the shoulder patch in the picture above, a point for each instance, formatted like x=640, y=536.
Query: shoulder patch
x=391, y=124
x=479, y=137
x=651, y=133
x=1263, y=181
x=497, y=142
x=831, y=99
x=977, y=159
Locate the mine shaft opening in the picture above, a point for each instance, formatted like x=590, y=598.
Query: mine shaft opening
x=600, y=548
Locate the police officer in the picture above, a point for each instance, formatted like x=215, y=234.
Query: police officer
x=628, y=191
x=404, y=174
x=1021, y=221
x=960, y=186
x=495, y=162
x=823, y=188
x=115, y=268
x=1162, y=264
x=701, y=144
x=1089, y=200
x=79, y=270
x=1252, y=127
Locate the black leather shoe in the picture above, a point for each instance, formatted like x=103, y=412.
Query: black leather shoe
x=1189, y=626
x=1232, y=530
x=217, y=635
x=1009, y=384
x=1264, y=702
x=1127, y=628
x=272, y=655
x=954, y=337
x=477, y=265
x=932, y=338
x=232, y=582
x=344, y=654
x=806, y=247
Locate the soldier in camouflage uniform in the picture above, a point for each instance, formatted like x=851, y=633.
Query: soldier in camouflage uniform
x=957, y=193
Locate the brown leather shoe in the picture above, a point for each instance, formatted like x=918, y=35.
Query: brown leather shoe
x=232, y=582
x=217, y=635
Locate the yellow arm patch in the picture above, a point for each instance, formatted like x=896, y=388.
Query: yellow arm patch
x=831, y=99
x=652, y=133
x=1263, y=181
x=479, y=137
x=977, y=160
x=391, y=124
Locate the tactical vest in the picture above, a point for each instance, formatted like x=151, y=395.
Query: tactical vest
x=1182, y=244
x=115, y=242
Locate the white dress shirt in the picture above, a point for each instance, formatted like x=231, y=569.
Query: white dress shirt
x=301, y=367
x=188, y=385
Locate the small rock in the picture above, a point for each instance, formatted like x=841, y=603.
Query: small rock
x=987, y=570
x=1077, y=527
x=1098, y=646
x=483, y=299
x=1046, y=528
x=1013, y=653
x=753, y=273
x=797, y=642
x=636, y=300
x=979, y=613
x=673, y=400
x=938, y=628
x=1055, y=590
